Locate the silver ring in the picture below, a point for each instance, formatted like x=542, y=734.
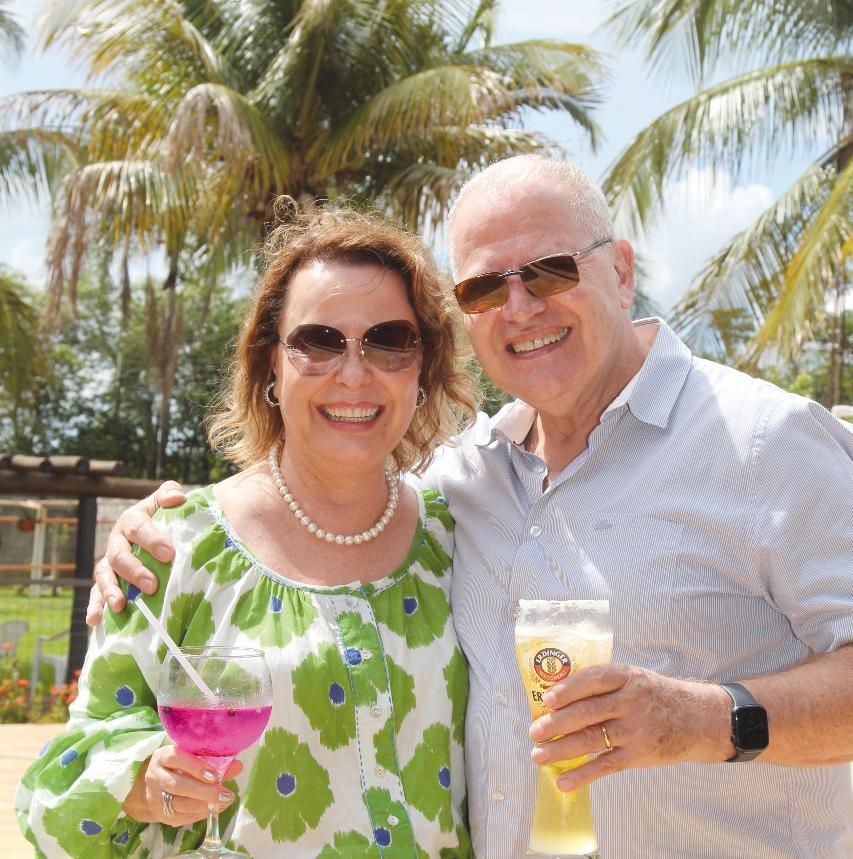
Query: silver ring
x=168, y=811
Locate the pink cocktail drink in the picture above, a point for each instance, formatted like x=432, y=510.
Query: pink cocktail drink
x=214, y=701
x=214, y=733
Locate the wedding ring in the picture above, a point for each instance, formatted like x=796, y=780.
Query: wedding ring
x=168, y=811
x=607, y=744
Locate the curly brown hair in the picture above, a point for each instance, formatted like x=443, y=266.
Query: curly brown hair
x=244, y=427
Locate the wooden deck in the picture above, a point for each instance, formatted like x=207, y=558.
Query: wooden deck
x=19, y=746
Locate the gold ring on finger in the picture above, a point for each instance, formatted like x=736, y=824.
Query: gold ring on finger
x=607, y=744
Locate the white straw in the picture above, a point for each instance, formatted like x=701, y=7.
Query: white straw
x=169, y=642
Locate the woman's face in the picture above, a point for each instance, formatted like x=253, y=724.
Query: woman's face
x=355, y=414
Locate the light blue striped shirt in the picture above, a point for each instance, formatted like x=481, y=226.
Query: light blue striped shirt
x=715, y=512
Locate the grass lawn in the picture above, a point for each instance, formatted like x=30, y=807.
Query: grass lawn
x=46, y=615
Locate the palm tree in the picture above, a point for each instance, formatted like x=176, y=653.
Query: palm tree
x=21, y=357
x=11, y=33
x=19, y=353
x=210, y=109
x=772, y=281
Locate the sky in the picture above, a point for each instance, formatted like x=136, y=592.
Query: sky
x=703, y=210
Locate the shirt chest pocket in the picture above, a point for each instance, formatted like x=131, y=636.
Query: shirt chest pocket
x=638, y=559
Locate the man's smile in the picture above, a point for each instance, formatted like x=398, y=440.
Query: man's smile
x=534, y=343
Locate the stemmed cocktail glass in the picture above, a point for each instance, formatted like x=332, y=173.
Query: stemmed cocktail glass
x=216, y=728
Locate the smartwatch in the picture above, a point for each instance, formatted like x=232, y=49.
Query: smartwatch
x=749, y=724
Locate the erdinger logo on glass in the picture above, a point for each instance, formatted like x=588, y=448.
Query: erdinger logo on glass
x=552, y=664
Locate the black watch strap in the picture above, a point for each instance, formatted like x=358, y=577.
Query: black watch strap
x=749, y=724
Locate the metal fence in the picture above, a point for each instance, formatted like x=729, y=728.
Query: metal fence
x=37, y=582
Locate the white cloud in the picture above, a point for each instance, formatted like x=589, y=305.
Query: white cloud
x=550, y=19
x=705, y=210
x=25, y=257
x=22, y=239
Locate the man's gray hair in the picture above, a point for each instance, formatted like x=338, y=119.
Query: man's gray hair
x=499, y=183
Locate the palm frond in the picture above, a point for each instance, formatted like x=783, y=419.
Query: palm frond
x=758, y=114
x=482, y=21
x=419, y=190
x=446, y=95
x=20, y=356
x=549, y=75
x=473, y=93
x=697, y=35
x=11, y=33
x=816, y=263
x=241, y=138
x=756, y=270
x=321, y=30
x=105, y=124
x=135, y=34
x=31, y=159
x=120, y=200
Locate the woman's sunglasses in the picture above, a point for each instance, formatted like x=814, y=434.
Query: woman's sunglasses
x=542, y=277
x=318, y=349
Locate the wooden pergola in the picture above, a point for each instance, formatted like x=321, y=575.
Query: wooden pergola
x=86, y=480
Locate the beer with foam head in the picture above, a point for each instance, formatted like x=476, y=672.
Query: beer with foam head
x=552, y=641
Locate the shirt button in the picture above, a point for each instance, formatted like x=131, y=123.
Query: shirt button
x=392, y=820
x=535, y=531
x=376, y=711
x=501, y=698
x=366, y=654
x=541, y=469
x=516, y=610
x=352, y=601
x=380, y=771
x=497, y=796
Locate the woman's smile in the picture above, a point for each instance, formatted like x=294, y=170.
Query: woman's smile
x=351, y=416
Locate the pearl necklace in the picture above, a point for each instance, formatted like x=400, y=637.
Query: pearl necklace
x=320, y=533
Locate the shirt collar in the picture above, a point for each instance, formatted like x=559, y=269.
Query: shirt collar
x=662, y=376
x=650, y=395
x=623, y=397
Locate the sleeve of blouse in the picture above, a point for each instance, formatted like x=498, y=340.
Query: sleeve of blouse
x=439, y=539
x=69, y=802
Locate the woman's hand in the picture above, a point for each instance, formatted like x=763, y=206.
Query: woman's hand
x=190, y=780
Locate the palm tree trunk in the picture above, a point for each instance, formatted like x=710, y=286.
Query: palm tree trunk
x=169, y=366
x=836, y=347
x=125, y=285
x=842, y=340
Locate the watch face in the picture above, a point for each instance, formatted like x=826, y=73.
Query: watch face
x=749, y=726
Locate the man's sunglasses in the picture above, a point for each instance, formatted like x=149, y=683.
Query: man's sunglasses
x=318, y=349
x=549, y=275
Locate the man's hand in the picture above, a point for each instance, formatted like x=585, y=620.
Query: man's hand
x=650, y=720
x=133, y=526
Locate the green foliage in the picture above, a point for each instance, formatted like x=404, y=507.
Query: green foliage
x=818, y=372
x=11, y=33
x=493, y=397
x=98, y=393
x=793, y=90
x=21, y=357
x=215, y=108
x=19, y=703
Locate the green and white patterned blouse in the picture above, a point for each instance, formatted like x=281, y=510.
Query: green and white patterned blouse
x=362, y=756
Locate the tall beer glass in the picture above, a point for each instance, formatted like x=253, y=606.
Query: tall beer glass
x=552, y=641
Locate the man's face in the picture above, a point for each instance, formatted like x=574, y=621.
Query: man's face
x=559, y=352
